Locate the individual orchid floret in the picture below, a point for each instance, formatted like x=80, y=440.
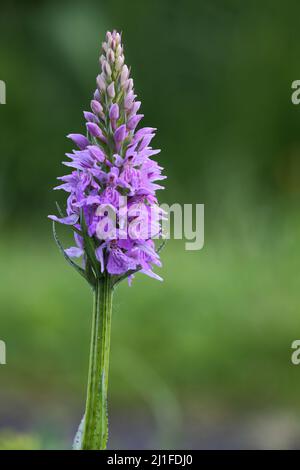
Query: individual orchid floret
x=80, y=140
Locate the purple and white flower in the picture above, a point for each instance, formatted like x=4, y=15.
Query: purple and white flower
x=113, y=160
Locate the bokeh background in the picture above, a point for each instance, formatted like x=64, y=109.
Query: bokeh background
x=202, y=360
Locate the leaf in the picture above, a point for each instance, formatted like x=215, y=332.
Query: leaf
x=89, y=246
x=59, y=209
x=74, y=265
x=161, y=246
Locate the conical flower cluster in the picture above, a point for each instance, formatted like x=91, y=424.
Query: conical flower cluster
x=112, y=205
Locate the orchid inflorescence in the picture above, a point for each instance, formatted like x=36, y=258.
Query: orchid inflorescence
x=112, y=173
x=113, y=163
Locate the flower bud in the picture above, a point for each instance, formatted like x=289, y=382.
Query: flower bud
x=80, y=140
x=135, y=107
x=119, y=50
x=120, y=133
x=114, y=112
x=129, y=85
x=111, y=56
x=102, y=59
x=90, y=117
x=119, y=62
x=133, y=121
x=106, y=69
x=111, y=90
x=129, y=99
x=97, y=95
x=124, y=74
x=118, y=37
x=94, y=130
x=96, y=107
x=101, y=83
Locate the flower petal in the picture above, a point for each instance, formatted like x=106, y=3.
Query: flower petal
x=74, y=252
x=69, y=220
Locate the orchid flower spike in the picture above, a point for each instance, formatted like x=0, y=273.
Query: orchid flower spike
x=113, y=211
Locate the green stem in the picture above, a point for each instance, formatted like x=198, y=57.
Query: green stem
x=95, y=432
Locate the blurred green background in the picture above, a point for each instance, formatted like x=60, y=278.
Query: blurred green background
x=203, y=359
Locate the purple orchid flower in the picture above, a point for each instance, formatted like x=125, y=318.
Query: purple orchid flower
x=112, y=162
